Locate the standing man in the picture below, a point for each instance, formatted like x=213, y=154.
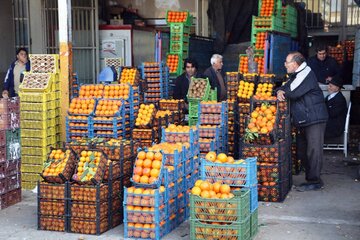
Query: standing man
x=337, y=109
x=182, y=82
x=324, y=66
x=217, y=77
x=309, y=115
x=15, y=72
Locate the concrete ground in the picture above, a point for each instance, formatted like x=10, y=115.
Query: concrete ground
x=332, y=213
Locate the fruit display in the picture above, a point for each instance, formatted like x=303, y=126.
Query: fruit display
x=209, y=131
x=91, y=193
x=274, y=192
x=177, y=133
x=177, y=17
x=266, y=7
x=211, y=107
x=219, y=205
x=260, y=40
x=173, y=62
x=243, y=63
x=90, y=168
x=207, y=145
x=148, y=168
x=171, y=104
x=82, y=106
x=145, y=115
x=140, y=214
x=85, y=226
x=213, y=119
x=52, y=223
x=264, y=91
x=246, y=90
x=170, y=149
x=59, y=166
x=116, y=149
x=52, y=207
x=199, y=88
x=349, y=46
x=129, y=75
x=136, y=196
x=90, y=211
x=275, y=153
x=44, y=63
x=337, y=52
x=146, y=231
x=262, y=119
x=266, y=78
x=108, y=107
x=113, y=170
x=270, y=174
x=91, y=91
x=36, y=81
x=118, y=91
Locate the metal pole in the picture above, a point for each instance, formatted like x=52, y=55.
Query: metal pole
x=66, y=65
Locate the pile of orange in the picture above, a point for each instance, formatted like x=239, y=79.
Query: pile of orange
x=162, y=113
x=91, y=90
x=243, y=66
x=117, y=91
x=144, y=231
x=76, y=124
x=81, y=106
x=147, y=167
x=145, y=115
x=172, y=62
x=87, y=166
x=107, y=107
x=77, y=117
x=267, y=8
x=220, y=158
x=145, y=196
x=179, y=128
x=246, y=89
x=129, y=75
x=167, y=148
x=206, y=189
x=56, y=162
x=177, y=17
x=264, y=91
x=260, y=40
x=262, y=119
x=260, y=62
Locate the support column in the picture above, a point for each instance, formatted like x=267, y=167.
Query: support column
x=66, y=65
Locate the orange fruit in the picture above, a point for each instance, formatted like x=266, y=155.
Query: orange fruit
x=224, y=188
x=205, y=186
x=144, y=179
x=198, y=183
x=154, y=173
x=205, y=194
x=196, y=191
x=146, y=172
x=139, y=163
x=156, y=164
x=150, y=155
x=141, y=155
x=216, y=187
x=147, y=163
x=136, y=178
x=158, y=156
x=210, y=156
x=222, y=157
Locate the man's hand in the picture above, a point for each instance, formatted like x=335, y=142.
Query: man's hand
x=280, y=95
x=5, y=94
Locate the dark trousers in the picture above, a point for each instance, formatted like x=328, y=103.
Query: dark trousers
x=309, y=143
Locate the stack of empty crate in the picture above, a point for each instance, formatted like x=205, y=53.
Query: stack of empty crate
x=10, y=192
x=40, y=115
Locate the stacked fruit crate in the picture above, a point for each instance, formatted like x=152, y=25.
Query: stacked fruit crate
x=179, y=23
x=289, y=18
x=144, y=130
x=213, y=120
x=156, y=76
x=39, y=114
x=244, y=63
x=130, y=75
x=74, y=86
x=199, y=90
x=10, y=176
x=232, y=79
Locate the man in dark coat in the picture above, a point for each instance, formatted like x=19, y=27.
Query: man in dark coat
x=309, y=115
x=182, y=82
x=15, y=73
x=337, y=109
x=324, y=66
x=217, y=77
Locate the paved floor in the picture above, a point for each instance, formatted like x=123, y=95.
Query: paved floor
x=330, y=214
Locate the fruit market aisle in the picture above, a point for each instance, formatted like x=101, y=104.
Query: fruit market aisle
x=332, y=213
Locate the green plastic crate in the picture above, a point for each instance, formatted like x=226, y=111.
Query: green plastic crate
x=35, y=151
x=272, y=23
x=39, y=97
x=206, y=94
x=277, y=6
x=213, y=95
x=38, y=133
x=26, y=106
x=31, y=168
x=27, y=159
x=254, y=227
x=39, y=142
x=180, y=64
x=193, y=121
x=179, y=48
x=194, y=108
x=13, y=135
x=187, y=22
x=236, y=209
x=30, y=124
x=39, y=115
x=203, y=231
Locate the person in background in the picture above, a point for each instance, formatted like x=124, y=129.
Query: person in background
x=217, y=77
x=324, y=66
x=308, y=114
x=15, y=72
x=182, y=82
x=337, y=109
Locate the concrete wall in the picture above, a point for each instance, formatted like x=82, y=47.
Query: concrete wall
x=6, y=39
x=157, y=8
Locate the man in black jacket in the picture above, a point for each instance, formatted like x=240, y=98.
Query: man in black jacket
x=309, y=115
x=337, y=109
x=324, y=66
x=217, y=77
x=182, y=82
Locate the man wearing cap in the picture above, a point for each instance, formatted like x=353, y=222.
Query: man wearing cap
x=337, y=109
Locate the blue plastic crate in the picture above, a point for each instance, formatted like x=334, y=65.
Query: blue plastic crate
x=254, y=202
x=174, y=159
x=173, y=222
x=160, y=230
x=210, y=132
x=213, y=108
x=159, y=214
x=181, y=216
x=168, y=176
x=181, y=201
x=173, y=206
x=212, y=119
x=240, y=175
x=192, y=136
x=196, y=163
x=152, y=200
x=179, y=170
x=206, y=147
x=188, y=166
x=172, y=190
x=181, y=185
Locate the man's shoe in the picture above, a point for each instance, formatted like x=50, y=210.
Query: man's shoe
x=310, y=187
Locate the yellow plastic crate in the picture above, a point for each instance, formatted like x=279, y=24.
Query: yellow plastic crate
x=35, y=151
x=28, y=185
x=37, y=82
x=45, y=124
x=44, y=63
x=39, y=142
x=26, y=106
x=37, y=97
x=27, y=159
x=38, y=133
x=40, y=115
x=30, y=177
x=31, y=168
